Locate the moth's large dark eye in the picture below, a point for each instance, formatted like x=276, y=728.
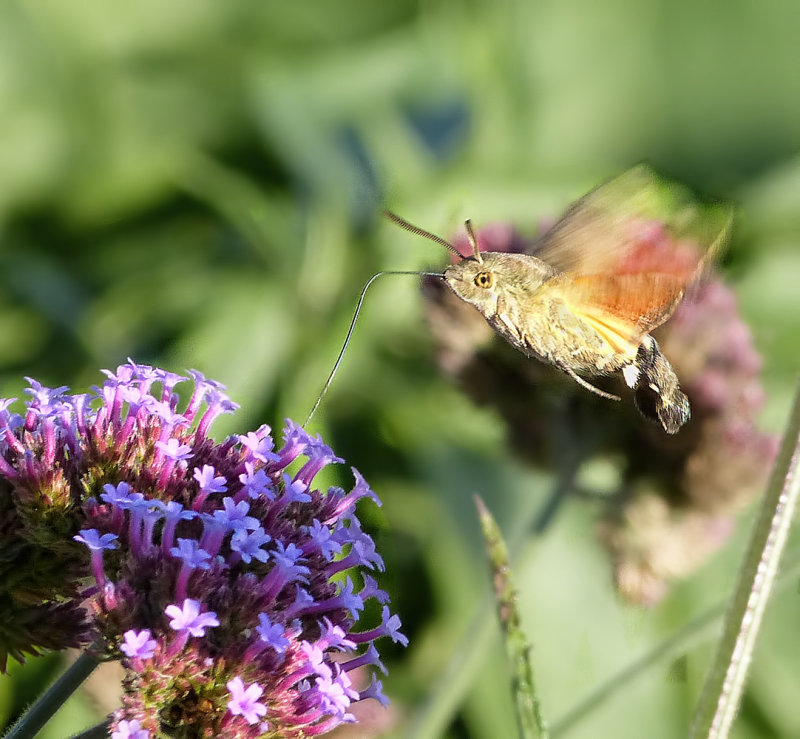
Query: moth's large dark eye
x=484, y=279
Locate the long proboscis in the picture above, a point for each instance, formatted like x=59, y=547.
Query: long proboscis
x=352, y=327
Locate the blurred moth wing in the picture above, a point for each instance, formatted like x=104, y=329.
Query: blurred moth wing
x=622, y=225
x=627, y=251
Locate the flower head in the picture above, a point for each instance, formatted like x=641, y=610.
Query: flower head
x=211, y=565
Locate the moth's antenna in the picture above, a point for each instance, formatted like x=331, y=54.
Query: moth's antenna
x=404, y=224
x=472, y=240
x=353, y=325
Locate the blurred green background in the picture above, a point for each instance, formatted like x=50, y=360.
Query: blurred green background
x=196, y=184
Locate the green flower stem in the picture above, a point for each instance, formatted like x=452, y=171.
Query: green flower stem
x=99, y=731
x=529, y=716
x=725, y=682
x=34, y=719
x=452, y=685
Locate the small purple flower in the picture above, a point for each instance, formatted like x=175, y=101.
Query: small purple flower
x=119, y=497
x=174, y=513
x=321, y=539
x=234, y=515
x=96, y=542
x=360, y=490
x=272, y=634
x=44, y=398
x=217, y=404
x=168, y=382
x=319, y=455
x=362, y=550
x=97, y=545
x=256, y=483
x=215, y=529
x=295, y=441
x=303, y=601
x=202, y=386
x=144, y=514
x=337, y=694
x=286, y=569
x=244, y=701
x=374, y=690
x=192, y=555
x=260, y=445
x=249, y=544
x=315, y=659
x=130, y=730
x=174, y=450
x=192, y=558
x=116, y=494
x=209, y=482
x=334, y=637
x=345, y=598
x=171, y=420
x=138, y=644
x=371, y=590
x=294, y=491
x=188, y=618
x=390, y=627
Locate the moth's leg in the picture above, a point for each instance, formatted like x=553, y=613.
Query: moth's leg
x=592, y=388
x=502, y=317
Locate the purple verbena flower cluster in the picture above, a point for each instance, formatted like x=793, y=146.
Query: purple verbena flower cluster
x=216, y=571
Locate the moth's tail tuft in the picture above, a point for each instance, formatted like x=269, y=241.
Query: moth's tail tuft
x=657, y=393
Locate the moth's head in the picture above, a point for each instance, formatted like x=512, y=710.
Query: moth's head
x=477, y=282
x=475, y=279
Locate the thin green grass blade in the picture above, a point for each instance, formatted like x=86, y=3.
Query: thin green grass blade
x=529, y=716
x=722, y=692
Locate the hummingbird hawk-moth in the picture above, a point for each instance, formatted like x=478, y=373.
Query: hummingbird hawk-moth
x=610, y=271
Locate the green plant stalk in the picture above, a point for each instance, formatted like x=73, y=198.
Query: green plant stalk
x=433, y=719
x=721, y=695
x=32, y=721
x=99, y=731
x=529, y=716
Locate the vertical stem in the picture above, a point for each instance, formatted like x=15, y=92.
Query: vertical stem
x=725, y=681
x=32, y=721
x=529, y=715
